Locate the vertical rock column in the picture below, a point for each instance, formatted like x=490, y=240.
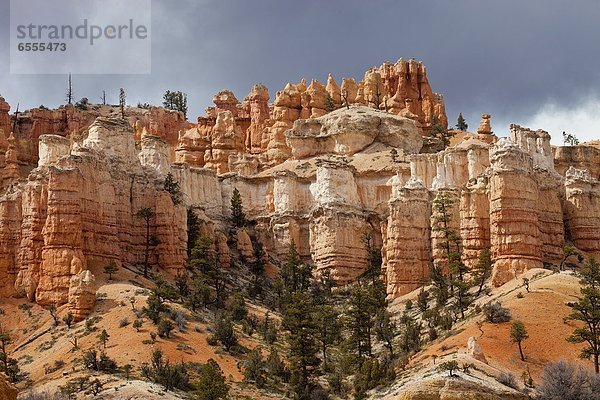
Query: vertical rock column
x=62, y=255
x=582, y=210
x=10, y=235
x=552, y=232
x=474, y=220
x=407, y=240
x=337, y=223
x=34, y=210
x=514, y=196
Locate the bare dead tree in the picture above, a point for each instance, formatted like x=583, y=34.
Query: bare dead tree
x=70, y=91
x=345, y=99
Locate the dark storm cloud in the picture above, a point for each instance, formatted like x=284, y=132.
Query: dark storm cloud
x=510, y=58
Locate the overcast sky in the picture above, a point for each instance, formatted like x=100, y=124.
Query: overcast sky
x=531, y=62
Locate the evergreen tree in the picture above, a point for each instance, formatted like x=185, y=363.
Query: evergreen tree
x=483, y=269
x=176, y=101
x=451, y=253
x=103, y=337
x=110, y=269
x=439, y=131
x=328, y=329
x=518, y=333
x=587, y=310
x=211, y=382
x=146, y=214
x=298, y=319
x=461, y=124
x=329, y=105
x=193, y=229
x=296, y=276
x=360, y=322
x=410, y=337
x=238, y=217
x=172, y=186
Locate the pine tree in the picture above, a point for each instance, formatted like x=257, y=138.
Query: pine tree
x=103, y=337
x=587, y=310
x=328, y=329
x=238, y=217
x=146, y=214
x=193, y=229
x=172, y=186
x=296, y=276
x=439, y=131
x=122, y=100
x=483, y=269
x=110, y=269
x=176, y=101
x=518, y=333
x=359, y=323
x=298, y=320
x=461, y=124
x=211, y=382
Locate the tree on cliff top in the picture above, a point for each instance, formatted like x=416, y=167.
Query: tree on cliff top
x=461, y=124
x=238, y=217
x=587, y=310
x=439, y=131
x=176, y=101
x=69, y=93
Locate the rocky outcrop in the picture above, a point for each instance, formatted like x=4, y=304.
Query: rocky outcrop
x=5, y=122
x=346, y=132
x=582, y=210
x=77, y=213
x=258, y=98
x=474, y=350
x=226, y=140
x=445, y=388
x=82, y=294
x=514, y=196
x=407, y=239
x=7, y=390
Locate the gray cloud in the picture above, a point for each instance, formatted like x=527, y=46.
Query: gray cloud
x=510, y=58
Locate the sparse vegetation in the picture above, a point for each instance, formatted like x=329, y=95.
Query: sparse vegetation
x=587, y=310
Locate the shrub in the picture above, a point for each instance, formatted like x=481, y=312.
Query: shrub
x=495, y=313
x=161, y=371
x=137, y=324
x=449, y=366
x=237, y=307
x=164, y=328
x=124, y=322
x=508, y=379
x=564, y=381
x=224, y=332
x=68, y=319
x=181, y=321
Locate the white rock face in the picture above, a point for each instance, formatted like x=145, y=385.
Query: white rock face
x=115, y=138
x=348, y=131
x=335, y=184
x=51, y=148
x=155, y=154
